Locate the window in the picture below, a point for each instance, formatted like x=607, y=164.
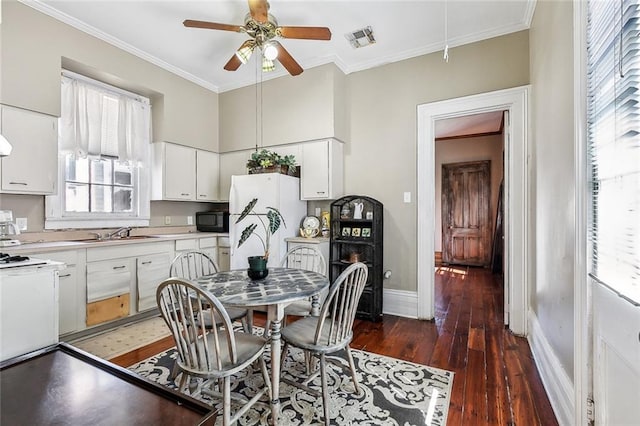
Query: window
x=103, y=157
x=614, y=145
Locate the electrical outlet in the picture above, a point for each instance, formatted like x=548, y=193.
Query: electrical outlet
x=21, y=223
x=407, y=197
x=189, y=220
x=167, y=220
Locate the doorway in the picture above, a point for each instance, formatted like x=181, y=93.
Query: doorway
x=516, y=196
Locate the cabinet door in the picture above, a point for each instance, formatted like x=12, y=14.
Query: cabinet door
x=151, y=271
x=32, y=167
x=224, y=258
x=108, y=278
x=179, y=172
x=207, y=173
x=231, y=163
x=321, y=175
x=67, y=300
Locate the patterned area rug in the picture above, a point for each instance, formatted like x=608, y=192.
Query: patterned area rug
x=116, y=342
x=393, y=392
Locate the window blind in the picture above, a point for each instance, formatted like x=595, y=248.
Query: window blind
x=613, y=138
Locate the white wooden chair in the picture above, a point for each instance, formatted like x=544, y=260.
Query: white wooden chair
x=214, y=353
x=194, y=264
x=310, y=259
x=330, y=332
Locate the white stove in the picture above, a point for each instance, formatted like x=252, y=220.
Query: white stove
x=7, y=261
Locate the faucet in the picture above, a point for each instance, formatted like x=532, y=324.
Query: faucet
x=123, y=232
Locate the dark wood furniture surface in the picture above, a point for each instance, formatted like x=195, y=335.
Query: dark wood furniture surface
x=362, y=237
x=63, y=385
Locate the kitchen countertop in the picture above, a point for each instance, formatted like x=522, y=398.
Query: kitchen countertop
x=48, y=246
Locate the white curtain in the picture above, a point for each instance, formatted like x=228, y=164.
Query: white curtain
x=96, y=122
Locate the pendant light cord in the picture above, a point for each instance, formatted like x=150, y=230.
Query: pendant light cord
x=446, y=31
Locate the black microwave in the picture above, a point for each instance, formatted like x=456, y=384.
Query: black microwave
x=212, y=221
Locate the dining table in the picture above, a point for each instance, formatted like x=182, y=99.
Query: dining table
x=278, y=289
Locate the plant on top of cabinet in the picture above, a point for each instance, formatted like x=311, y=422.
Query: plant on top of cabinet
x=265, y=161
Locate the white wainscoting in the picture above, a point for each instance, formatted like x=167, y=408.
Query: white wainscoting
x=556, y=382
x=401, y=303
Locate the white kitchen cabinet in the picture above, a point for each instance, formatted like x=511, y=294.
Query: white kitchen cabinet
x=108, y=278
x=181, y=173
x=319, y=243
x=32, y=167
x=174, y=172
x=224, y=254
x=209, y=246
x=322, y=173
x=72, y=289
x=207, y=175
x=231, y=163
x=151, y=271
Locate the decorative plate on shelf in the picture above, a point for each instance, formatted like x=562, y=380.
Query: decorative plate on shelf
x=311, y=222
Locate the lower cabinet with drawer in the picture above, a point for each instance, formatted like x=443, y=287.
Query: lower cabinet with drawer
x=108, y=290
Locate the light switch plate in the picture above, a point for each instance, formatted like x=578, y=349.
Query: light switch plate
x=407, y=197
x=21, y=223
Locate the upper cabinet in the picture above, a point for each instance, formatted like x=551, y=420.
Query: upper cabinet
x=322, y=173
x=207, y=173
x=181, y=173
x=32, y=167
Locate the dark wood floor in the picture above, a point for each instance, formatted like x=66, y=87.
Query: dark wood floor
x=496, y=381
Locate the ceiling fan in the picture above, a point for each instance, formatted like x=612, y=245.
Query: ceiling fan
x=262, y=28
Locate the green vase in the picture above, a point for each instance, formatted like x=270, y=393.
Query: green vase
x=257, y=267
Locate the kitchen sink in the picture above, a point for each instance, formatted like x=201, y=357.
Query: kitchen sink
x=107, y=240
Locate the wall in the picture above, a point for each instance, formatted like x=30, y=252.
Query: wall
x=380, y=156
x=551, y=44
x=462, y=150
x=293, y=109
x=34, y=47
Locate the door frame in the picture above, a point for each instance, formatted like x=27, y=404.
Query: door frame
x=516, y=196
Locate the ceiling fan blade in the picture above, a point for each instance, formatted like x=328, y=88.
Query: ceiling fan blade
x=233, y=64
x=259, y=10
x=287, y=60
x=308, y=33
x=212, y=25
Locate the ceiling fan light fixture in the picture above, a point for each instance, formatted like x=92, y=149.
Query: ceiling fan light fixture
x=245, y=51
x=270, y=51
x=267, y=64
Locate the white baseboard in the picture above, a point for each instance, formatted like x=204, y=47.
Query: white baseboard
x=556, y=381
x=401, y=303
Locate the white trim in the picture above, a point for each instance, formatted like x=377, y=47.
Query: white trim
x=582, y=354
x=555, y=379
x=82, y=26
x=401, y=303
x=516, y=224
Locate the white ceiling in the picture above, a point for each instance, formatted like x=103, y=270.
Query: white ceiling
x=476, y=124
x=153, y=30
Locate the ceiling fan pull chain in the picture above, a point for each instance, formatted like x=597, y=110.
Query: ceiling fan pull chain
x=446, y=32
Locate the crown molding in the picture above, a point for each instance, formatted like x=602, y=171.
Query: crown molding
x=63, y=17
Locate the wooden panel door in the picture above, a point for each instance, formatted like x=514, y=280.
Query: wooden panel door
x=466, y=228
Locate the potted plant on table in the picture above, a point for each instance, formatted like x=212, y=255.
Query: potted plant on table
x=258, y=264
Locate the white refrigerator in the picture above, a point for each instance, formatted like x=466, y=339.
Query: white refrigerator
x=272, y=190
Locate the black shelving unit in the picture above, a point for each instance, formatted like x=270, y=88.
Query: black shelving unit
x=358, y=236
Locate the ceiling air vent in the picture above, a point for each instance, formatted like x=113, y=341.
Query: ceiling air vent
x=361, y=38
